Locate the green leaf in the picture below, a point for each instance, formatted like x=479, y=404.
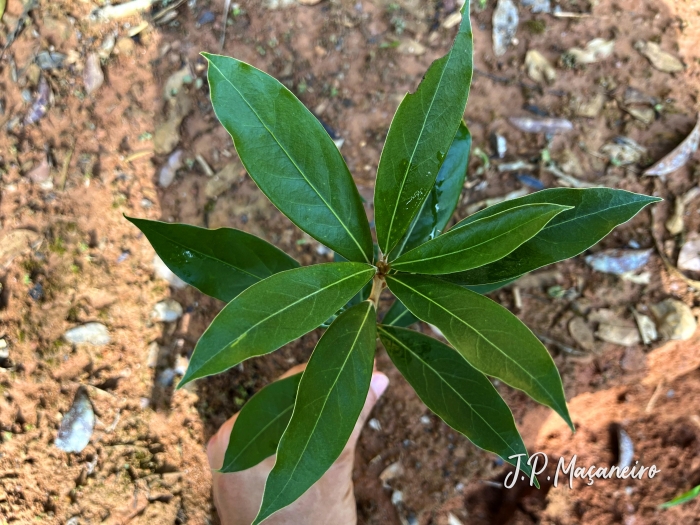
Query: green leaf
x=437, y=209
x=331, y=395
x=290, y=156
x=484, y=289
x=491, y=338
x=3, y=4
x=260, y=425
x=686, y=496
x=221, y=263
x=274, y=312
x=480, y=242
x=456, y=391
x=398, y=315
x=419, y=137
x=596, y=211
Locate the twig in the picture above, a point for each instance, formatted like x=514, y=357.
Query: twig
x=138, y=154
x=167, y=9
x=570, y=14
x=517, y=298
x=576, y=183
x=669, y=266
x=115, y=12
x=561, y=346
x=66, y=164
x=654, y=397
x=227, y=9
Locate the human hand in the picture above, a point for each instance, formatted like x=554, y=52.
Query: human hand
x=331, y=499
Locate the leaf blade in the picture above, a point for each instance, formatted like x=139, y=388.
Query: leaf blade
x=596, y=211
x=490, y=338
x=331, y=395
x=457, y=392
x=683, y=498
x=480, y=242
x=274, y=312
x=413, y=154
x=437, y=209
x=307, y=180
x=220, y=263
x=260, y=425
x=399, y=315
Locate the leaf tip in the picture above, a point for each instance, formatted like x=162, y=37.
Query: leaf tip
x=185, y=379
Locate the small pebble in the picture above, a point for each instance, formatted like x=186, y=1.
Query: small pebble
x=181, y=365
x=166, y=377
x=167, y=311
x=499, y=144
x=374, y=424
x=169, y=169
x=77, y=424
x=425, y=420
x=207, y=17
x=153, y=353
x=36, y=292
x=163, y=272
x=91, y=333
x=93, y=76
x=4, y=349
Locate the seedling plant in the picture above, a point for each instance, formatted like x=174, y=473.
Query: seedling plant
x=436, y=276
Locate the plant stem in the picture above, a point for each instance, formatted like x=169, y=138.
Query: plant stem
x=378, y=284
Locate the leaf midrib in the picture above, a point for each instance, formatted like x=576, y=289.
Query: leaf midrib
x=233, y=343
x=596, y=213
x=451, y=387
x=578, y=217
x=468, y=248
x=301, y=172
x=483, y=337
x=405, y=312
x=320, y=412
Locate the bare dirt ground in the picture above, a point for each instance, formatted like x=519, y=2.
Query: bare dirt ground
x=70, y=171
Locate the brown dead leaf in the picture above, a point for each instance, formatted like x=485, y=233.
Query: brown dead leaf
x=582, y=334
x=596, y=50
x=538, y=67
x=645, y=115
x=659, y=59
x=674, y=224
x=592, y=107
x=679, y=156
x=689, y=257
x=409, y=46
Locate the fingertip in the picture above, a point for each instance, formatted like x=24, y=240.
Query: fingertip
x=379, y=384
